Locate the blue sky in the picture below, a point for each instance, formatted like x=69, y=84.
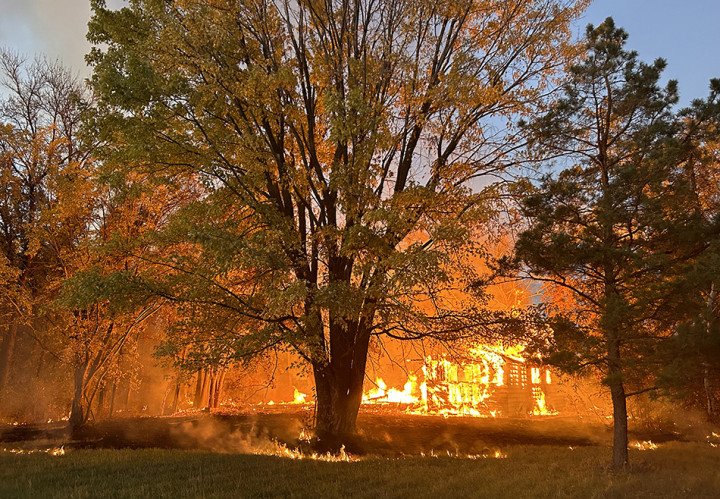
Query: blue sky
x=685, y=33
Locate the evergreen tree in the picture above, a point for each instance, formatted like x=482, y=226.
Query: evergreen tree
x=613, y=227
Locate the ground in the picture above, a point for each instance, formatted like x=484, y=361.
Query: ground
x=675, y=470
x=260, y=455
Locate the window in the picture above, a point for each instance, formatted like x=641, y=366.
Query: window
x=535, y=375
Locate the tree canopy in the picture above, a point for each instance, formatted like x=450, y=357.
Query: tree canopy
x=331, y=148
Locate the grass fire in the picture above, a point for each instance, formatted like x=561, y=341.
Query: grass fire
x=355, y=248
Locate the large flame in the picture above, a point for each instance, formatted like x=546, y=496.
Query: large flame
x=381, y=393
x=484, y=382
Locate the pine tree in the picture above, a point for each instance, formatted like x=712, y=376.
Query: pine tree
x=613, y=226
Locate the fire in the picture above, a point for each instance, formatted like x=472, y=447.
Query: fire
x=540, y=408
x=283, y=451
x=487, y=381
x=299, y=397
x=52, y=451
x=382, y=394
x=645, y=445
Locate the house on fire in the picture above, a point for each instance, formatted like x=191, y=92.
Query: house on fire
x=487, y=382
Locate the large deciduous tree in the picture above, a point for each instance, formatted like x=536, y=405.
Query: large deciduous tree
x=335, y=143
x=615, y=228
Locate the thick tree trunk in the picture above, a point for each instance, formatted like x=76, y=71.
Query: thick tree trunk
x=337, y=408
x=339, y=389
x=199, y=387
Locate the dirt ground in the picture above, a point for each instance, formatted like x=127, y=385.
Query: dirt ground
x=379, y=433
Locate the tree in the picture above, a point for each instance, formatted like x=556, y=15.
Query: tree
x=615, y=228
x=691, y=367
x=43, y=191
x=52, y=212
x=335, y=143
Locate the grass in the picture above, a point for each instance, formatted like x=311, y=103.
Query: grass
x=672, y=470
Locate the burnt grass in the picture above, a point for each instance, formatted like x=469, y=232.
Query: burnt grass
x=383, y=434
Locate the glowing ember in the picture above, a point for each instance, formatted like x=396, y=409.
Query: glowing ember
x=713, y=436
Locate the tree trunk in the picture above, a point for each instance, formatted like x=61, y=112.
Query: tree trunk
x=336, y=412
x=77, y=414
x=199, y=389
x=211, y=389
x=101, y=400
x=619, y=402
x=709, y=398
x=339, y=389
x=112, y=399
x=218, y=388
x=164, y=400
x=6, y=354
x=127, y=395
x=176, y=399
x=620, y=426
x=707, y=384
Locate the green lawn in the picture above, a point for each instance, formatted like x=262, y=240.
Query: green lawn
x=673, y=470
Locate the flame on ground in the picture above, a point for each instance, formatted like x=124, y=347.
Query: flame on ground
x=299, y=398
x=286, y=452
x=53, y=451
x=644, y=445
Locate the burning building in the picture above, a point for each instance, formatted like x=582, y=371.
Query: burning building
x=485, y=381
x=488, y=382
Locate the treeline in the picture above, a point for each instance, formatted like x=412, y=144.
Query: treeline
x=254, y=177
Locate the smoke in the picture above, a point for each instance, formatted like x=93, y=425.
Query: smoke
x=218, y=435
